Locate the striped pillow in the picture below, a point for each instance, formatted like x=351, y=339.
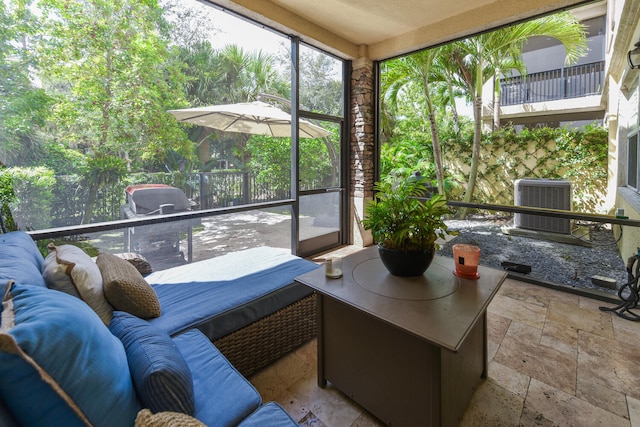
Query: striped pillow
x=160, y=374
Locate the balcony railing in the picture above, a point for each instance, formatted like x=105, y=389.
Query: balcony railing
x=561, y=83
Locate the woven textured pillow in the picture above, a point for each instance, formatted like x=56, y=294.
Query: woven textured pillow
x=166, y=419
x=58, y=361
x=69, y=269
x=159, y=372
x=138, y=261
x=126, y=289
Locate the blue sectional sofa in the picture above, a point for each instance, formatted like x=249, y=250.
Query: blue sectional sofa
x=63, y=364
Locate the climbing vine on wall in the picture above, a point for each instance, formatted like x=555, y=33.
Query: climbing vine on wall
x=576, y=155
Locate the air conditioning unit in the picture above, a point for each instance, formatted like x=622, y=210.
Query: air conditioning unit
x=543, y=193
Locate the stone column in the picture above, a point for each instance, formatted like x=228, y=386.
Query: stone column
x=362, y=146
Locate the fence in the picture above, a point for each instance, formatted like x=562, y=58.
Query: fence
x=561, y=83
x=207, y=189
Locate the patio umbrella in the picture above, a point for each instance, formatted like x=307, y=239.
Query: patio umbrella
x=256, y=117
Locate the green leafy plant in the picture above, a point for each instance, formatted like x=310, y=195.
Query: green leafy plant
x=400, y=220
x=7, y=196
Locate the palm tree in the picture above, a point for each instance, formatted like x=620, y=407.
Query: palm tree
x=226, y=76
x=562, y=26
x=488, y=55
x=451, y=85
x=416, y=70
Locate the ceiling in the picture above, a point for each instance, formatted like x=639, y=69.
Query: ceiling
x=381, y=29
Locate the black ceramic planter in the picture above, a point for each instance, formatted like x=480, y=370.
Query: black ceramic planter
x=406, y=263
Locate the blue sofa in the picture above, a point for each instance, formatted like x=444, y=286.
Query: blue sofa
x=60, y=364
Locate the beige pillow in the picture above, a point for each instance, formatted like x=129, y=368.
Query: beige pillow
x=166, y=419
x=69, y=269
x=126, y=289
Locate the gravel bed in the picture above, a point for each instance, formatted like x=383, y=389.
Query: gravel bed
x=558, y=263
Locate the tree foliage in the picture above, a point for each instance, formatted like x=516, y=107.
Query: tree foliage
x=23, y=107
x=107, y=64
x=465, y=66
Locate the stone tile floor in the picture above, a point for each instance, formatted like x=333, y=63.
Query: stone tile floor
x=555, y=360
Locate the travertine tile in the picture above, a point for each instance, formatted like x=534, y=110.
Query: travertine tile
x=309, y=352
x=497, y=327
x=310, y=420
x=610, y=362
x=561, y=337
x=583, y=319
x=328, y=404
x=492, y=349
x=523, y=312
x=601, y=396
x=367, y=420
x=624, y=330
x=492, y=405
x=275, y=380
x=594, y=304
x=509, y=379
x=524, y=332
x=634, y=411
x=520, y=350
x=534, y=294
x=546, y=405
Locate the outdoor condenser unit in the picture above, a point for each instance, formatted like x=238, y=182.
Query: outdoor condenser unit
x=543, y=193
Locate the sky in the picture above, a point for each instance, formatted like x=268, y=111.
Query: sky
x=233, y=30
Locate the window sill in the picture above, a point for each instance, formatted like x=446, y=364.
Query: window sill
x=630, y=197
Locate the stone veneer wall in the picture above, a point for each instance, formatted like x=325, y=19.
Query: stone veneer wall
x=362, y=139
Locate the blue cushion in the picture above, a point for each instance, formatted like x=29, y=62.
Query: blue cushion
x=58, y=361
x=269, y=415
x=20, y=260
x=217, y=307
x=223, y=396
x=160, y=374
x=6, y=419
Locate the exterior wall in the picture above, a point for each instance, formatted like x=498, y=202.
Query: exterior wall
x=363, y=155
x=542, y=59
x=565, y=106
x=630, y=242
x=554, y=57
x=503, y=162
x=622, y=113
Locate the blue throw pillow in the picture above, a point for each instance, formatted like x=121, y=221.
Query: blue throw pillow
x=20, y=260
x=58, y=361
x=160, y=374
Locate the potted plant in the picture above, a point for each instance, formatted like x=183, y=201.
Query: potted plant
x=405, y=227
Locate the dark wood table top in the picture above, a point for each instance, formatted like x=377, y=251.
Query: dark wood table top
x=438, y=306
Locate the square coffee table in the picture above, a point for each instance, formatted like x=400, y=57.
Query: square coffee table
x=410, y=350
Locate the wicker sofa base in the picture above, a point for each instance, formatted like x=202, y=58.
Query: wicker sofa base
x=263, y=342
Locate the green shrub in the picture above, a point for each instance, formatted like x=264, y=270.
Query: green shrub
x=33, y=189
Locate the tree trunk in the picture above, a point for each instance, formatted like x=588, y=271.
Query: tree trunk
x=475, y=154
x=435, y=139
x=88, y=208
x=437, y=153
x=454, y=110
x=496, y=101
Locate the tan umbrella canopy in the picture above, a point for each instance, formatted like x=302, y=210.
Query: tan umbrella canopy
x=258, y=118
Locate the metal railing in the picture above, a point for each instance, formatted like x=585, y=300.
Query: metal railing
x=561, y=83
